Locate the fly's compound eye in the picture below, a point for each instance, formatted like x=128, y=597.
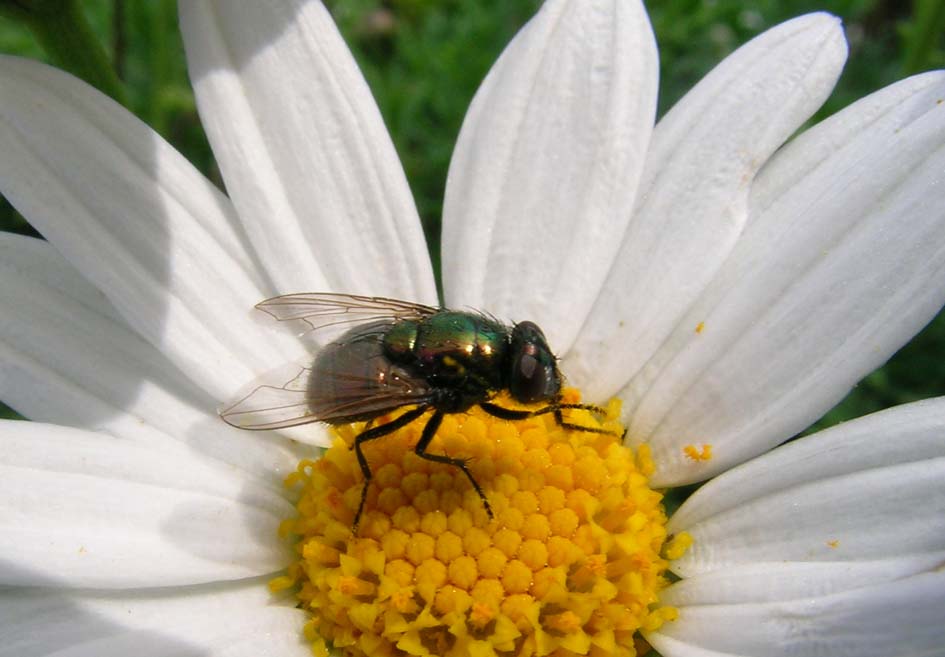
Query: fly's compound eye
x=534, y=372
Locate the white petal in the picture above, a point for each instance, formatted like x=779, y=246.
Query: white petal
x=233, y=619
x=693, y=199
x=137, y=220
x=66, y=358
x=898, y=619
x=303, y=149
x=84, y=509
x=865, y=491
x=547, y=165
x=907, y=100
x=840, y=266
x=773, y=581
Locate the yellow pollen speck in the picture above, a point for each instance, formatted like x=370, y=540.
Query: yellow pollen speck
x=833, y=544
x=277, y=584
x=656, y=618
x=700, y=327
x=571, y=564
x=698, y=454
x=677, y=545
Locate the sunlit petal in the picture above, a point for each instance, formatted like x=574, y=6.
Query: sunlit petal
x=303, y=149
x=837, y=496
x=67, y=358
x=546, y=169
x=839, y=267
x=693, y=200
x=137, y=220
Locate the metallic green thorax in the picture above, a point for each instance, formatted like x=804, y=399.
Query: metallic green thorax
x=452, y=348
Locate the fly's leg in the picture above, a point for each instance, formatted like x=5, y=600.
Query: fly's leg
x=593, y=408
x=561, y=422
x=521, y=414
x=373, y=434
x=421, y=450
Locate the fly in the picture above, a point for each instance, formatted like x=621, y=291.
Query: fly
x=396, y=354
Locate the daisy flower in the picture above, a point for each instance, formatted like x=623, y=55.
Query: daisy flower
x=720, y=282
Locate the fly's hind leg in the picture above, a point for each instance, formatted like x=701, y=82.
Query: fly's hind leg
x=421, y=450
x=555, y=408
x=373, y=434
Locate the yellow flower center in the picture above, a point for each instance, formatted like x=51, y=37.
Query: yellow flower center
x=572, y=562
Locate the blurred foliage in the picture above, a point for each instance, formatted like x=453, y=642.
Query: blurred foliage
x=64, y=33
x=425, y=58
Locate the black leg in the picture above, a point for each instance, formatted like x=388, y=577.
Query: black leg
x=513, y=413
x=373, y=434
x=421, y=450
x=559, y=419
x=593, y=408
x=521, y=414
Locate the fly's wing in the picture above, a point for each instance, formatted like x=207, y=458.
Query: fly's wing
x=349, y=380
x=268, y=404
x=358, y=386
x=331, y=314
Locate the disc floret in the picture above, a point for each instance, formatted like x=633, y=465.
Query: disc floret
x=572, y=562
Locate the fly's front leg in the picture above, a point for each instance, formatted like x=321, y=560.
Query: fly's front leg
x=515, y=413
x=555, y=409
x=373, y=434
x=421, y=450
x=561, y=422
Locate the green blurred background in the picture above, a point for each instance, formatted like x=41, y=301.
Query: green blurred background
x=425, y=58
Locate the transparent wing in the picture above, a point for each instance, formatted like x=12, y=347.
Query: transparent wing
x=331, y=314
x=355, y=382
x=264, y=405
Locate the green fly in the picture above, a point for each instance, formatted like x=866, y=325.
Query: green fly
x=396, y=354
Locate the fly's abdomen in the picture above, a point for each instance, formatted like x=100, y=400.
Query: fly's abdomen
x=353, y=379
